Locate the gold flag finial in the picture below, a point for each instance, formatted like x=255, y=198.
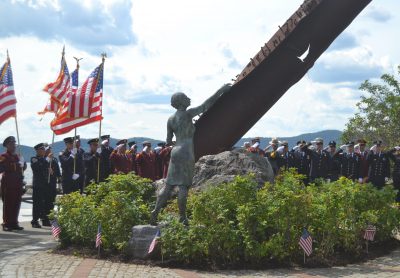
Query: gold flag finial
x=103, y=56
x=77, y=61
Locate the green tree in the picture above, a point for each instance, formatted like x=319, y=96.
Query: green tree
x=378, y=115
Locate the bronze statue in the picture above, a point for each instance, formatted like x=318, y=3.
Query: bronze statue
x=181, y=167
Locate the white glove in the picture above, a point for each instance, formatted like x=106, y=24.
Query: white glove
x=386, y=180
x=280, y=149
x=397, y=148
x=360, y=180
x=98, y=150
x=74, y=151
x=256, y=145
x=296, y=148
x=71, y=155
x=48, y=159
x=75, y=176
x=145, y=149
x=357, y=148
x=343, y=147
x=328, y=180
x=22, y=161
x=373, y=148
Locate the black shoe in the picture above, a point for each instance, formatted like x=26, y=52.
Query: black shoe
x=18, y=228
x=36, y=225
x=7, y=228
x=46, y=223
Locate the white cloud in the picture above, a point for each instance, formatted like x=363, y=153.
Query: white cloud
x=193, y=47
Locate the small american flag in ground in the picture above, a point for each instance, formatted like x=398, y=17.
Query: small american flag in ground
x=55, y=228
x=154, y=242
x=98, y=237
x=7, y=96
x=369, y=233
x=306, y=242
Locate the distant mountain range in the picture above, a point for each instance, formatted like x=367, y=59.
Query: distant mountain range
x=327, y=135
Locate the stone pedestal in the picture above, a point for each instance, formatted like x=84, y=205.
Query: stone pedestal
x=142, y=236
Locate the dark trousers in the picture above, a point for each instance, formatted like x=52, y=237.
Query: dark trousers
x=50, y=197
x=11, y=194
x=39, y=203
x=396, y=185
x=377, y=181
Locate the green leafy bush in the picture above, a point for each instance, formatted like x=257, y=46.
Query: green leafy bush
x=236, y=223
x=117, y=204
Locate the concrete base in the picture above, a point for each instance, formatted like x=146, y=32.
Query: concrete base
x=142, y=236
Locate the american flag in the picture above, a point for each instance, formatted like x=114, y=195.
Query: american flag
x=59, y=89
x=154, y=242
x=51, y=107
x=63, y=123
x=98, y=236
x=369, y=233
x=8, y=100
x=80, y=101
x=55, y=228
x=306, y=242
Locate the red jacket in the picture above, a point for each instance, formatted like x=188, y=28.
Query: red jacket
x=146, y=165
x=121, y=163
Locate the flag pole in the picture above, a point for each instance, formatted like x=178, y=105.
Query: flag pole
x=103, y=59
x=16, y=127
x=74, y=147
x=366, y=243
x=304, y=257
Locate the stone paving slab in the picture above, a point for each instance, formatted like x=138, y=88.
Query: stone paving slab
x=38, y=261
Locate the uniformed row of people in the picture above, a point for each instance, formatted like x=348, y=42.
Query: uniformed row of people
x=316, y=162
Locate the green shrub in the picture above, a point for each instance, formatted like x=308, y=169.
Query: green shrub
x=235, y=222
x=117, y=204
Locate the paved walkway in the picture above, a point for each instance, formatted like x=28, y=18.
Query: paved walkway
x=28, y=254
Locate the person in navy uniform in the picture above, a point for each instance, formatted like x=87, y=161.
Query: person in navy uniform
x=379, y=166
x=40, y=171
x=66, y=158
x=91, y=160
x=360, y=148
x=394, y=154
x=106, y=151
x=55, y=176
x=335, y=161
x=12, y=167
x=320, y=160
x=302, y=160
x=286, y=159
x=79, y=164
x=351, y=163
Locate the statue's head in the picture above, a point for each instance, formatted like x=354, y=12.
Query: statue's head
x=180, y=101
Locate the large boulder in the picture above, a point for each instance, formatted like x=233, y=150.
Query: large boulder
x=223, y=167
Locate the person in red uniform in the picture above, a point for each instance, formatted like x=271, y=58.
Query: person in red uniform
x=146, y=162
x=12, y=168
x=132, y=155
x=165, y=156
x=255, y=147
x=120, y=160
x=159, y=164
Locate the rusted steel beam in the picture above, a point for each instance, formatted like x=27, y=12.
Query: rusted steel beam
x=273, y=70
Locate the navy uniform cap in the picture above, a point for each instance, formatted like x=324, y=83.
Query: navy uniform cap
x=130, y=144
x=8, y=140
x=123, y=141
x=94, y=140
x=378, y=142
x=145, y=143
x=332, y=143
x=350, y=144
x=69, y=140
x=105, y=137
x=161, y=144
x=39, y=146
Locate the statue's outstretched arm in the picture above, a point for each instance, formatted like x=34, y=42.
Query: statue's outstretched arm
x=209, y=102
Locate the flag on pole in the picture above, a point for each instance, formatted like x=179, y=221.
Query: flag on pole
x=80, y=100
x=8, y=100
x=63, y=123
x=59, y=89
x=306, y=242
x=98, y=236
x=55, y=229
x=154, y=242
x=369, y=233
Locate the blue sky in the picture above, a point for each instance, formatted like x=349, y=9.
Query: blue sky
x=158, y=47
